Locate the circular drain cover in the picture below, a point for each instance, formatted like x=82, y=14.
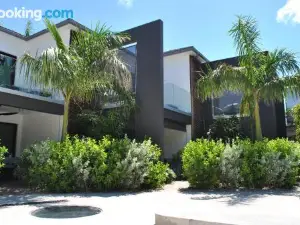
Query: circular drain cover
x=64, y=212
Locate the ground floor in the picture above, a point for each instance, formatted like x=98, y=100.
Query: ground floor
x=25, y=119
x=175, y=200
x=19, y=128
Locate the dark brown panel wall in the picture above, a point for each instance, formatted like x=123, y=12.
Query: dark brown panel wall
x=201, y=111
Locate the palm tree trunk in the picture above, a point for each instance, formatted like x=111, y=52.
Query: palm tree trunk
x=65, y=118
x=258, y=133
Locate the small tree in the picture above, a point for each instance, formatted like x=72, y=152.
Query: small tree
x=28, y=28
x=255, y=76
x=80, y=70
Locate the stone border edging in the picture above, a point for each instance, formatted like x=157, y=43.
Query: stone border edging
x=169, y=220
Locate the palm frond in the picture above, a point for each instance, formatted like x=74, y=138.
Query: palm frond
x=273, y=90
x=53, y=69
x=280, y=61
x=214, y=83
x=246, y=38
x=55, y=34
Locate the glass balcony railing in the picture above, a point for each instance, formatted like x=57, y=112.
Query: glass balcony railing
x=32, y=93
x=176, y=98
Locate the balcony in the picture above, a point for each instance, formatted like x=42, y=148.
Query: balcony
x=177, y=99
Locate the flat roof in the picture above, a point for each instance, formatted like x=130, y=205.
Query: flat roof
x=183, y=50
x=26, y=38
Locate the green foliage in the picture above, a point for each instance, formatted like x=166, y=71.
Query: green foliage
x=89, y=165
x=201, y=159
x=266, y=163
x=296, y=116
x=68, y=166
x=225, y=129
x=97, y=124
x=81, y=70
x=3, y=151
x=255, y=76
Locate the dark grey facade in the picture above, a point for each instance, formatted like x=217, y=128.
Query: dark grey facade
x=149, y=117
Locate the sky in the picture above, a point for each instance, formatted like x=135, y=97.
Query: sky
x=199, y=23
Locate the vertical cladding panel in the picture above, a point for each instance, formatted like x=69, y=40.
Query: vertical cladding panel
x=201, y=111
x=149, y=118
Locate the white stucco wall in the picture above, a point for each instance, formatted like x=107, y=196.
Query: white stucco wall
x=177, y=81
x=174, y=141
x=17, y=47
x=40, y=126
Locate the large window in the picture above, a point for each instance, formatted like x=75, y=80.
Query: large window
x=227, y=105
x=128, y=55
x=7, y=69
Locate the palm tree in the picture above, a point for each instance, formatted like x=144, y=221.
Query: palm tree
x=28, y=28
x=91, y=63
x=256, y=76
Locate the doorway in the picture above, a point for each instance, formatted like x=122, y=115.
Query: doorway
x=8, y=133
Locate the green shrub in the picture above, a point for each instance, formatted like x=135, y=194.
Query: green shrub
x=296, y=117
x=231, y=163
x=86, y=164
x=201, y=160
x=225, y=129
x=3, y=151
x=272, y=164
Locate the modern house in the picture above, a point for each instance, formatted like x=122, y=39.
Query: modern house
x=164, y=86
x=29, y=114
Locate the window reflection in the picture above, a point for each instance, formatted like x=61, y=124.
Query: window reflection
x=7, y=69
x=128, y=55
x=227, y=105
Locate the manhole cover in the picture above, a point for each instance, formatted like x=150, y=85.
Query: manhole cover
x=64, y=212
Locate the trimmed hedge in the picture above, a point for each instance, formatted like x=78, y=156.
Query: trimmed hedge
x=267, y=163
x=89, y=165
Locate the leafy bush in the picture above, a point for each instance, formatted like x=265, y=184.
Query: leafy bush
x=86, y=164
x=3, y=151
x=225, y=129
x=201, y=160
x=296, y=117
x=243, y=163
x=71, y=165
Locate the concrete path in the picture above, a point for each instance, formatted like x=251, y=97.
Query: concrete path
x=231, y=207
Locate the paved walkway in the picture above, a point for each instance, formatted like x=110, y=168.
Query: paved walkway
x=234, y=207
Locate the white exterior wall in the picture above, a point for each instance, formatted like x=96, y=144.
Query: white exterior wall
x=40, y=126
x=177, y=81
x=174, y=141
x=17, y=47
x=32, y=126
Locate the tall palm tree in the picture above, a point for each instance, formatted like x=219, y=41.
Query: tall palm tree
x=256, y=76
x=91, y=63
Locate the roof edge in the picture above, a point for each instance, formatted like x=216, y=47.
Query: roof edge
x=183, y=50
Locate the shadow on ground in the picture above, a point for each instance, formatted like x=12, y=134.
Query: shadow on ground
x=236, y=197
x=14, y=193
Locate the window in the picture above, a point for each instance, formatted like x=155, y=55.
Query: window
x=128, y=55
x=7, y=69
x=227, y=105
